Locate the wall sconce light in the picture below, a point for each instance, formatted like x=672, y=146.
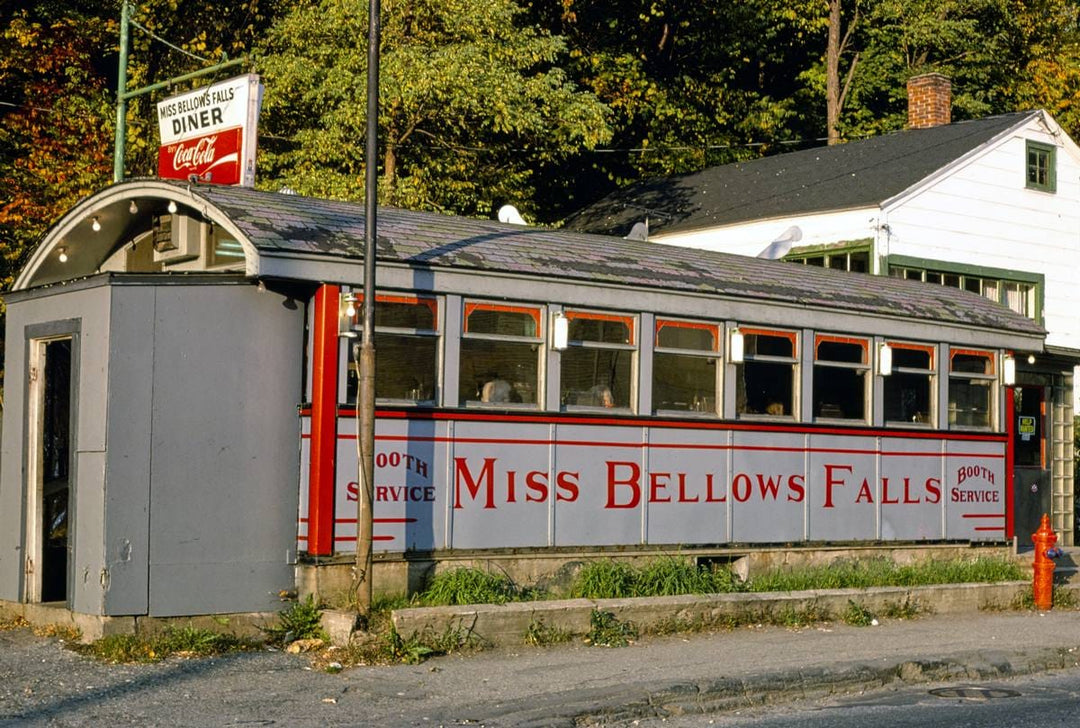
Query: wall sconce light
x=346, y=315
x=95, y=225
x=133, y=208
x=737, y=347
x=1008, y=370
x=172, y=207
x=1031, y=358
x=560, y=331
x=62, y=254
x=884, y=360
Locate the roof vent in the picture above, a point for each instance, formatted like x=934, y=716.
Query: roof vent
x=929, y=101
x=510, y=214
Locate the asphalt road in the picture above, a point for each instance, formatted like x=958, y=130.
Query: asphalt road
x=43, y=684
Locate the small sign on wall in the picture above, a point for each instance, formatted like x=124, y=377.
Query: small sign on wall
x=1026, y=427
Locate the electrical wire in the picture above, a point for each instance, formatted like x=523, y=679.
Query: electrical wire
x=159, y=39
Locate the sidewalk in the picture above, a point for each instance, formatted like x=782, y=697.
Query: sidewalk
x=568, y=685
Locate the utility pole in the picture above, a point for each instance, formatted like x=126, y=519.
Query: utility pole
x=366, y=394
x=121, y=99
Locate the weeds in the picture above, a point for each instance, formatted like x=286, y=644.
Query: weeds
x=857, y=615
x=469, y=586
x=1062, y=599
x=300, y=621
x=607, y=630
x=665, y=576
x=849, y=574
x=539, y=634
x=907, y=609
x=173, y=641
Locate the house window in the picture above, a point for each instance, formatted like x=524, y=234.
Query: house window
x=1020, y=296
x=1041, y=172
x=765, y=380
x=406, y=350
x=853, y=260
x=971, y=388
x=840, y=381
x=500, y=354
x=685, y=375
x=596, y=369
x=909, y=389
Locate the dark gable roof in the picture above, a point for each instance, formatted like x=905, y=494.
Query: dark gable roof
x=844, y=176
x=279, y=224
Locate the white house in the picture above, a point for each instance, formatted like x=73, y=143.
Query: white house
x=990, y=205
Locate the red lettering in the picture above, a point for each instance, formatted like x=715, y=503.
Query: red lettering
x=745, y=479
x=429, y=493
x=797, y=485
x=511, y=486
x=630, y=482
x=768, y=487
x=885, y=500
x=473, y=485
x=657, y=484
x=830, y=481
x=710, y=497
x=352, y=491
x=683, y=498
x=907, y=493
x=536, y=483
x=933, y=490
x=566, y=487
x=865, y=492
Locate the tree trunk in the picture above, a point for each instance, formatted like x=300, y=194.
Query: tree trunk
x=389, y=170
x=832, y=75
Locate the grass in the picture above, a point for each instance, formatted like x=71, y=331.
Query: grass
x=664, y=576
x=173, y=641
x=606, y=630
x=300, y=621
x=849, y=574
x=470, y=586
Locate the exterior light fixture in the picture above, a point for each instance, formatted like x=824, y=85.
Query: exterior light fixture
x=133, y=208
x=62, y=254
x=1008, y=370
x=1031, y=358
x=346, y=315
x=172, y=207
x=736, y=347
x=95, y=225
x=884, y=360
x=560, y=331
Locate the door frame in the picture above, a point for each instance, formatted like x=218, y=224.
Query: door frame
x=37, y=337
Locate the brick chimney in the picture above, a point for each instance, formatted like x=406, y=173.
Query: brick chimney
x=929, y=101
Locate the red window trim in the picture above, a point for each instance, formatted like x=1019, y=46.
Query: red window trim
x=916, y=347
x=789, y=335
x=431, y=303
x=827, y=338
x=988, y=355
x=532, y=311
x=713, y=329
x=627, y=320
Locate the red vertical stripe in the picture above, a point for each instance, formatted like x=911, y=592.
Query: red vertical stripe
x=324, y=386
x=1010, y=444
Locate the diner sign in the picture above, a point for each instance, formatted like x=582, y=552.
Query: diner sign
x=209, y=134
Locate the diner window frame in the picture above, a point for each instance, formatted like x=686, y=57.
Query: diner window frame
x=990, y=377
x=929, y=419
x=538, y=313
x=632, y=321
x=864, y=367
x=792, y=406
x=715, y=354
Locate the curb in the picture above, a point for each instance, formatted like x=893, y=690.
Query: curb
x=503, y=625
x=667, y=700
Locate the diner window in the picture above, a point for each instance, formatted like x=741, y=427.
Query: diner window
x=500, y=354
x=971, y=388
x=685, y=377
x=1041, y=172
x=909, y=388
x=840, y=381
x=596, y=368
x=765, y=379
x=406, y=349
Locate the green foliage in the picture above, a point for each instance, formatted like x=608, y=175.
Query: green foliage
x=606, y=630
x=299, y=621
x=416, y=648
x=863, y=573
x=468, y=586
x=173, y=641
x=857, y=615
x=664, y=576
x=539, y=634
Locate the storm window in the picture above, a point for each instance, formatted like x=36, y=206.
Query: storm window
x=406, y=349
x=909, y=388
x=685, y=372
x=500, y=355
x=840, y=381
x=596, y=368
x=971, y=388
x=765, y=379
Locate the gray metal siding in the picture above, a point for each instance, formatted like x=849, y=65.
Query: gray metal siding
x=224, y=432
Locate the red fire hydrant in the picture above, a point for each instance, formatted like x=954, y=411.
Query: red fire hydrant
x=1043, y=586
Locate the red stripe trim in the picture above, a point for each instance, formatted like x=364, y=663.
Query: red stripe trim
x=1010, y=462
x=989, y=528
x=324, y=383
x=982, y=515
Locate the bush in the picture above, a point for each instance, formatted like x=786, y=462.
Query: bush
x=300, y=621
x=468, y=586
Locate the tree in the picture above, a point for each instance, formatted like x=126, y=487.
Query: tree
x=473, y=102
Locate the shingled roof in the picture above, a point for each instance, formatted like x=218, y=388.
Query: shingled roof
x=845, y=176
x=286, y=225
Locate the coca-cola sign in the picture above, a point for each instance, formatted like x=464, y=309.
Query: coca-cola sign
x=213, y=158
x=209, y=134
